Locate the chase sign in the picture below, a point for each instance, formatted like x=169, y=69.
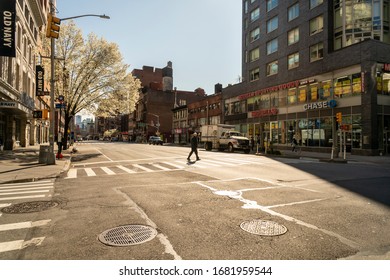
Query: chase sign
x=320, y=105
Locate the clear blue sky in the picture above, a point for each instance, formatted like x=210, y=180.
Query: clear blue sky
x=202, y=38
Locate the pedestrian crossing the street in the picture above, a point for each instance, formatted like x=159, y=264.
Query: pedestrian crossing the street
x=22, y=191
x=160, y=166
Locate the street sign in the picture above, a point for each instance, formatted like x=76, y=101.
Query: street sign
x=60, y=106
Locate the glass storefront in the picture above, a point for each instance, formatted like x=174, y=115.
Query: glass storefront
x=312, y=122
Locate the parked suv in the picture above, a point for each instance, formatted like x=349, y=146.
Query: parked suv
x=155, y=140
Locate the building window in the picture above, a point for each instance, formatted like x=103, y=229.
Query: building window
x=254, y=54
x=272, y=68
x=293, y=12
x=293, y=36
x=315, y=3
x=271, y=4
x=254, y=74
x=316, y=25
x=255, y=14
x=272, y=24
x=255, y=34
x=272, y=46
x=293, y=60
x=316, y=52
x=246, y=6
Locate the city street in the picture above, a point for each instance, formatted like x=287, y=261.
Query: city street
x=209, y=209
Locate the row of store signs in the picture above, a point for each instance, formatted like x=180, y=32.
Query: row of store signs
x=309, y=106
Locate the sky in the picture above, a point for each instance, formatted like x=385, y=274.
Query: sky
x=202, y=38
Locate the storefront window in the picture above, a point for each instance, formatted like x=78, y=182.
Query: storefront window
x=265, y=101
x=292, y=96
x=302, y=94
x=357, y=83
x=274, y=99
x=313, y=94
x=282, y=98
x=325, y=91
x=383, y=84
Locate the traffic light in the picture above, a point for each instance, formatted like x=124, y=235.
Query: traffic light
x=339, y=117
x=53, y=27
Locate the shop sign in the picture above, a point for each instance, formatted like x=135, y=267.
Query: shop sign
x=7, y=28
x=5, y=104
x=386, y=67
x=40, y=74
x=320, y=105
x=268, y=90
x=264, y=113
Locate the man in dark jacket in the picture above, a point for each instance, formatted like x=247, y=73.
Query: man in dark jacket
x=194, y=147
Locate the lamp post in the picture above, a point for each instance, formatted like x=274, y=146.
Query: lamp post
x=50, y=159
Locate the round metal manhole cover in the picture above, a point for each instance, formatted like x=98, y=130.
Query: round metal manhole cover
x=261, y=227
x=29, y=207
x=127, y=235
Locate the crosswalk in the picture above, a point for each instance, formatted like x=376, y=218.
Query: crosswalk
x=15, y=193
x=160, y=166
x=30, y=190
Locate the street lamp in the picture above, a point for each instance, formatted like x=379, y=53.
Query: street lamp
x=51, y=156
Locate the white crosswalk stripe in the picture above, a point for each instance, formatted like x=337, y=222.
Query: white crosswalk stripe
x=30, y=190
x=173, y=164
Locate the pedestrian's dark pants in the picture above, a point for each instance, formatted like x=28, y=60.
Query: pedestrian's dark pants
x=193, y=151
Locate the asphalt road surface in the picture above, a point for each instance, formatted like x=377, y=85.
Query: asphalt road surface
x=223, y=207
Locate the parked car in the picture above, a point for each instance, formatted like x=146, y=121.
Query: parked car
x=155, y=140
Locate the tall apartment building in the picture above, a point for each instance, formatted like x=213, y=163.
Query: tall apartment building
x=303, y=61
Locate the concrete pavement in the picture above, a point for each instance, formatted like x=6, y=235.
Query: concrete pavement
x=21, y=165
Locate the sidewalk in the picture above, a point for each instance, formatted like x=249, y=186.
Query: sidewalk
x=21, y=165
x=326, y=157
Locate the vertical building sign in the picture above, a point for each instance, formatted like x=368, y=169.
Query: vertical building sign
x=7, y=27
x=39, y=74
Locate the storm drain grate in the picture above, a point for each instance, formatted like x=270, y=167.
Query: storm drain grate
x=29, y=207
x=127, y=235
x=261, y=227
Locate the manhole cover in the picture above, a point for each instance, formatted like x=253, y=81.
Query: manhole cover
x=127, y=235
x=29, y=207
x=262, y=227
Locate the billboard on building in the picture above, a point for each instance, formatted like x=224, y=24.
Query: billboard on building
x=7, y=28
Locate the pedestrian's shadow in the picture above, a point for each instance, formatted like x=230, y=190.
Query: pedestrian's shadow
x=190, y=162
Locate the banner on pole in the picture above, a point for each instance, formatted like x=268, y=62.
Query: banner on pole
x=7, y=28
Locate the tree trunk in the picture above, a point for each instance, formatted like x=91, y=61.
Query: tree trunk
x=66, y=128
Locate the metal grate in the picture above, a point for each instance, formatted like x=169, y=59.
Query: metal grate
x=261, y=227
x=29, y=207
x=127, y=235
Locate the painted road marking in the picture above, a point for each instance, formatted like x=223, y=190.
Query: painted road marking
x=126, y=169
x=108, y=170
x=174, y=165
x=160, y=167
x=143, y=168
x=20, y=244
x=90, y=172
x=21, y=197
x=72, y=173
x=24, y=225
